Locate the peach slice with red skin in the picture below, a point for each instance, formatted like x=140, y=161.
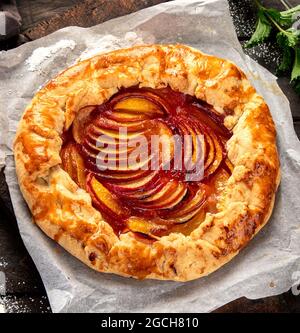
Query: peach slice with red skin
x=144, y=226
x=73, y=164
x=146, y=182
x=118, y=177
x=168, y=198
x=111, y=124
x=126, y=117
x=117, y=135
x=80, y=123
x=134, y=108
x=187, y=208
x=205, y=115
x=145, y=101
x=218, y=156
x=165, y=191
x=118, y=149
x=144, y=193
x=229, y=165
x=194, y=146
x=107, y=200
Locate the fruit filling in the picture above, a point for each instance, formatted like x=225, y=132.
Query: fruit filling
x=153, y=160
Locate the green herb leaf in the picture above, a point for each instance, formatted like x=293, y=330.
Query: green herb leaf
x=262, y=31
x=288, y=38
x=275, y=14
x=288, y=17
x=296, y=67
x=286, y=61
x=285, y=18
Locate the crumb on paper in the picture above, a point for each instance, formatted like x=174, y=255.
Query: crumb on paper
x=40, y=54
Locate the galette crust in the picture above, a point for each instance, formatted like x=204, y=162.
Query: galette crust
x=65, y=212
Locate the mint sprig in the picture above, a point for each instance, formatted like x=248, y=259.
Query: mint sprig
x=262, y=31
x=287, y=37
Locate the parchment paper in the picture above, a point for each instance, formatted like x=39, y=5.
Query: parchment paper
x=269, y=265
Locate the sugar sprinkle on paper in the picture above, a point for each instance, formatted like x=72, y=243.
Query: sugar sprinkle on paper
x=14, y=304
x=41, y=54
x=110, y=42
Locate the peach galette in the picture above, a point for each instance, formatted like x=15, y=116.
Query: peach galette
x=152, y=162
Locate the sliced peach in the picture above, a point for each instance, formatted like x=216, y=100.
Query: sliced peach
x=168, y=199
x=80, y=123
x=113, y=145
x=89, y=152
x=210, y=156
x=105, y=197
x=163, y=149
x=144, y=226
x=187, y=208
x=151, y=96
x=206, y=115
x=111, y=124
x=137, y=185
x=117, y=134
x=171, y=185
x=138, y=104
x=228, y=164
x=190, y=225
x=114, y=167
x=118, y=177
x=117, y=149
x=123, y=116
x=137, y=165
x=93, y=135
x=217, y=158
x=185, y=217
x=198, y=145
x=73, y=164
x=186, y=142
x=133, y=117
x=194, y=145
x=145, y=193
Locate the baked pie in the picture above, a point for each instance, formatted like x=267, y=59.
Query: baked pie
x=154, y=162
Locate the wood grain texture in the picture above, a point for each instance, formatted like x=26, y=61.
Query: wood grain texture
x=85, y=13
x=34, y=12
x=284, y=303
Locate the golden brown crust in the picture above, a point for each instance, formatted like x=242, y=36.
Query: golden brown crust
x=64, y=211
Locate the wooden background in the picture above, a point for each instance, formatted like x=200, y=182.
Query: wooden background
x=24, y=289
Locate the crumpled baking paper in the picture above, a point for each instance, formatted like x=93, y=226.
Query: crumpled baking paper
x=269, y=265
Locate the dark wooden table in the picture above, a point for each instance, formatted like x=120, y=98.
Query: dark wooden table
x=24, y=289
